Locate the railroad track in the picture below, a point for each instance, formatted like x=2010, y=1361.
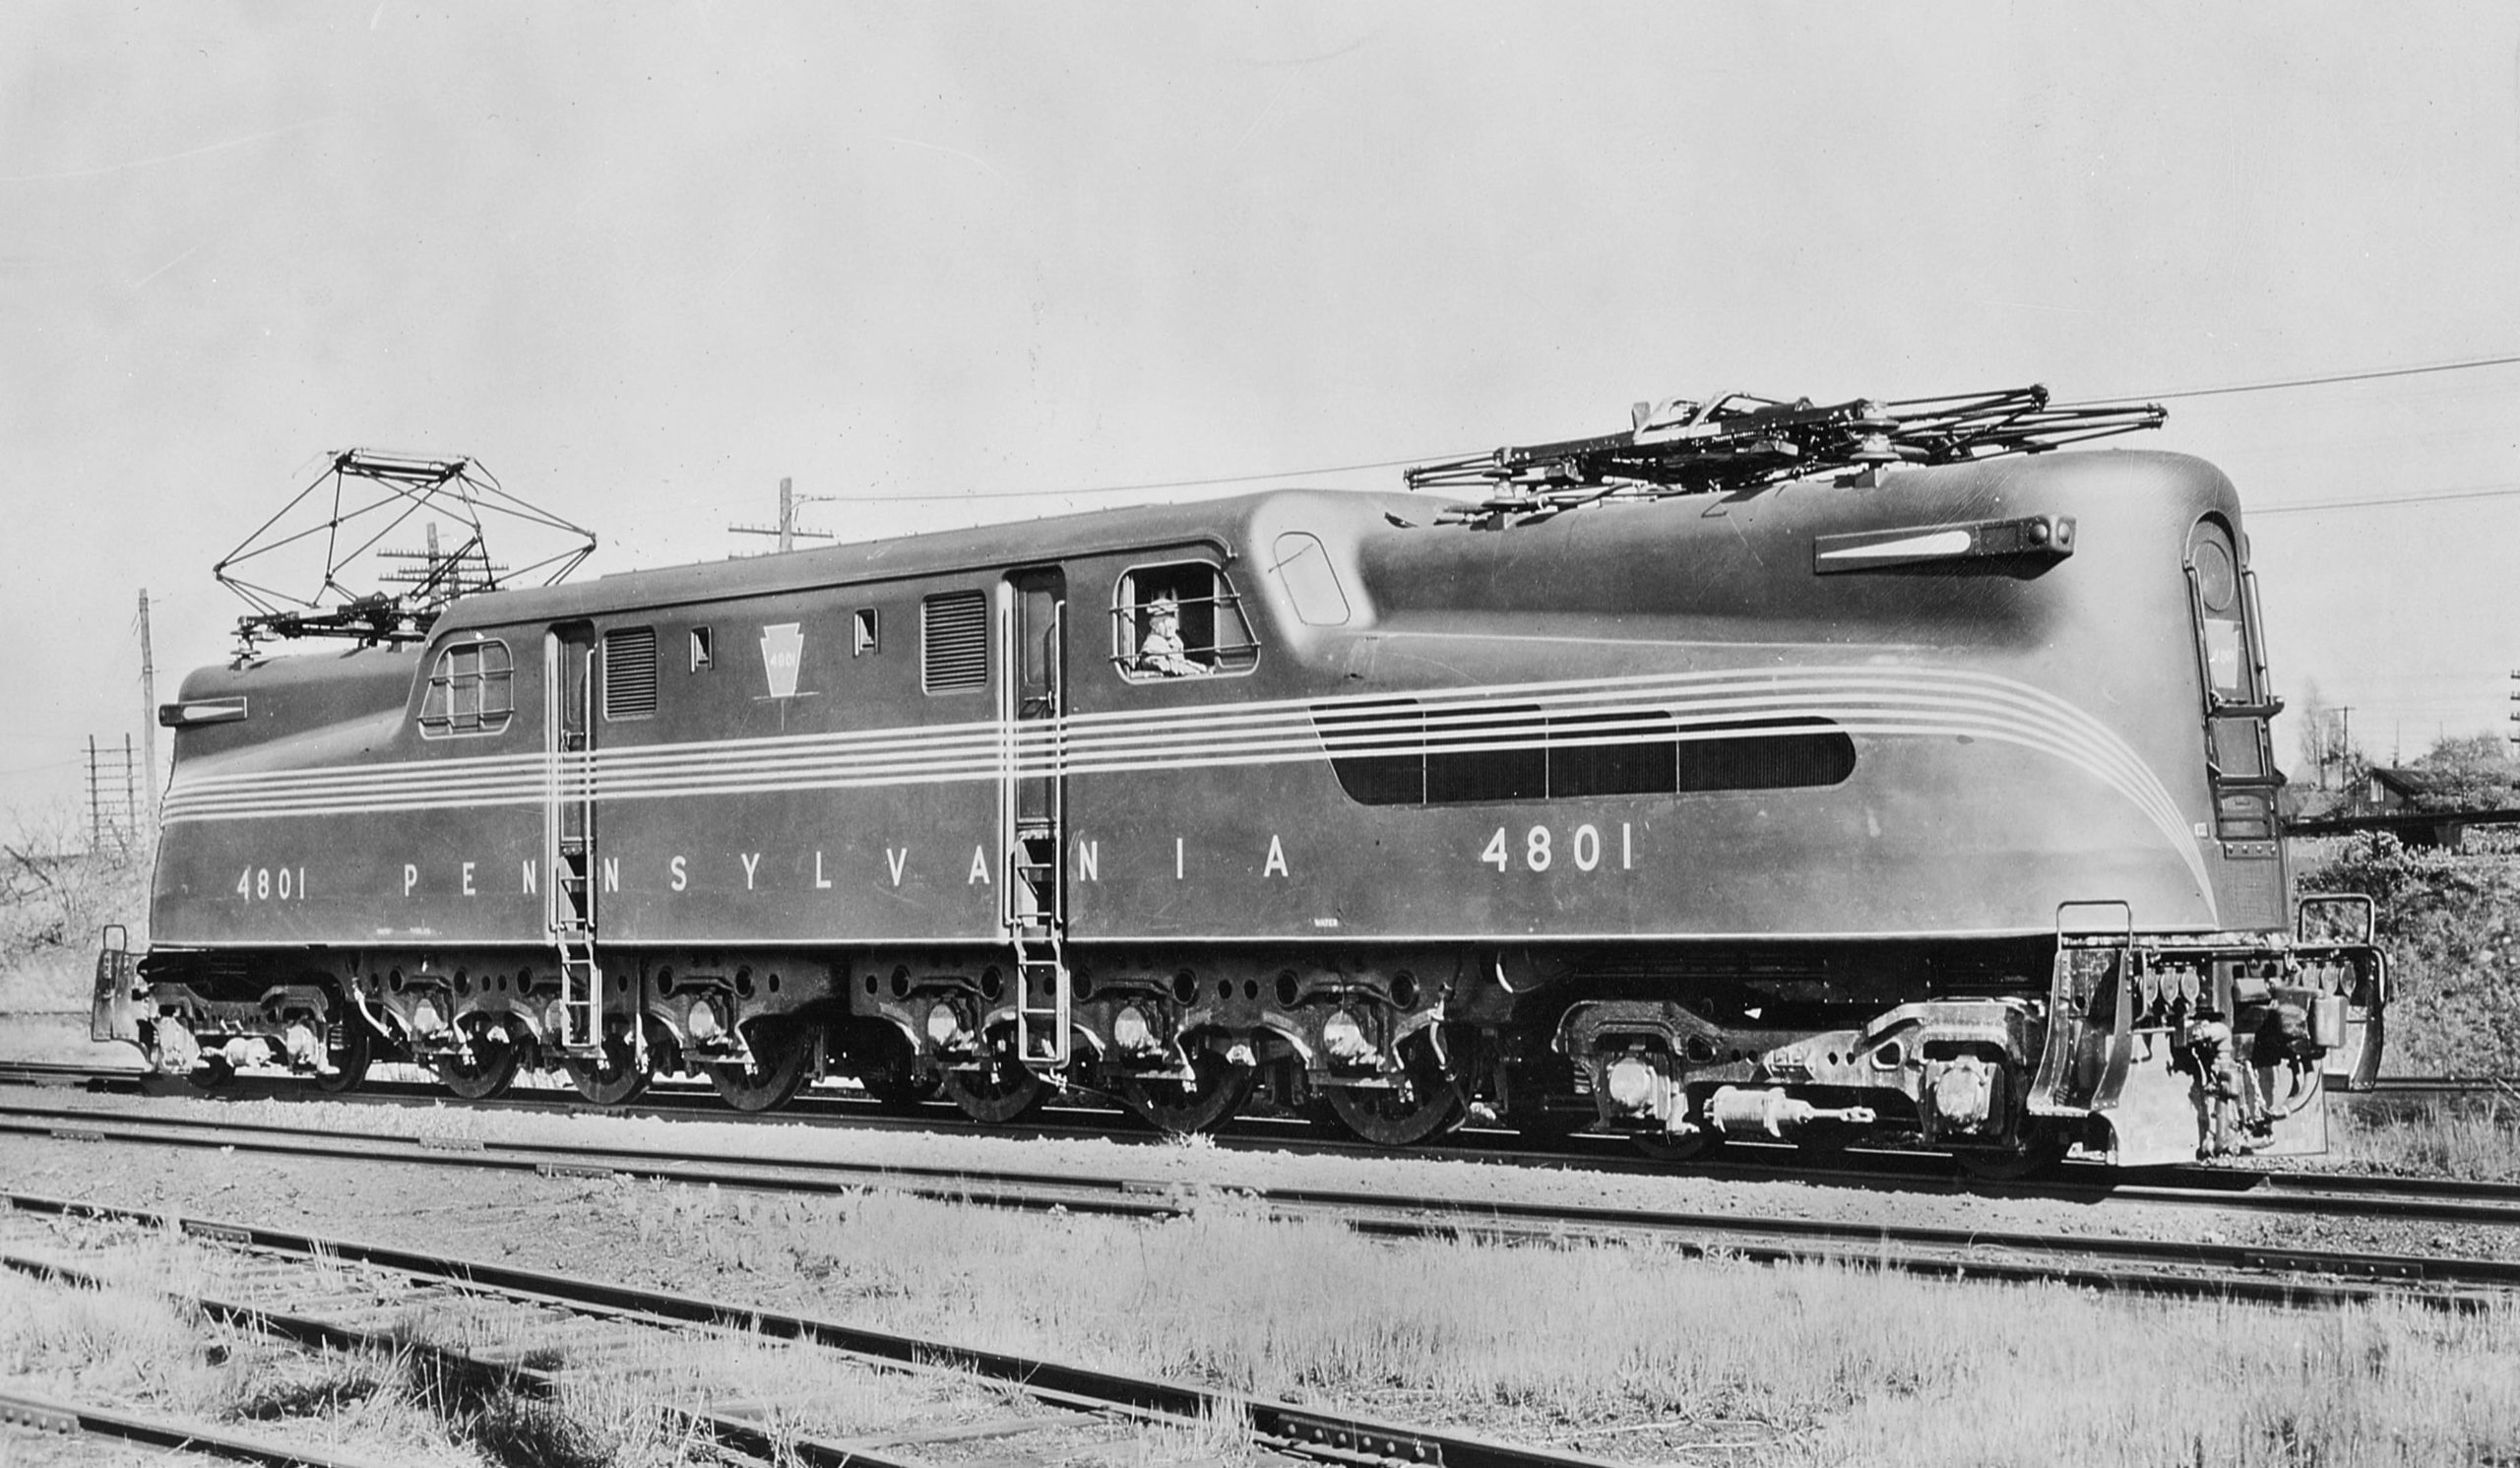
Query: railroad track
x=174, y=1434
x=1083, y=1118
x=2244, y=1188
x=2186, y=1267
x=354, y=1293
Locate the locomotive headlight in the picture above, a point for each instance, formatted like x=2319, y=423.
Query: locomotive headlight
x=944, y=1026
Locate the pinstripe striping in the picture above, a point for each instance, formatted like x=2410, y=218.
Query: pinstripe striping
x=1878, y=702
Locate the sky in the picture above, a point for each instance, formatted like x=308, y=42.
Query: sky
x=960, y=263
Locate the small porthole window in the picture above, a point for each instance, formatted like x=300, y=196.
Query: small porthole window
x=702, y=654
x=1179, y=621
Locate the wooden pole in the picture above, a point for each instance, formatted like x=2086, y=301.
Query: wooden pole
x=148, y=705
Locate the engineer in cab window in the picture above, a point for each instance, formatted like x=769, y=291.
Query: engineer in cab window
x=1162, y=649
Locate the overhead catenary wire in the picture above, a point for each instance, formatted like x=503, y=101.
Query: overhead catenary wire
x=2372, y=374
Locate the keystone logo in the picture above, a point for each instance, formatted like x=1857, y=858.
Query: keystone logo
x=783, y=647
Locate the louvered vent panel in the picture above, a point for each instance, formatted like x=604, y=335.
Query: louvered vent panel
x=630, y=672
x=954, y=641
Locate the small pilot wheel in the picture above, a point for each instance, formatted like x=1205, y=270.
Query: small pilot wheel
x=489, y=1069
x=1184, y=1108
x=785, y=1053
x=1001, y=1090
x=611, y=1077
x=1422, y=1101
x=349, y=1060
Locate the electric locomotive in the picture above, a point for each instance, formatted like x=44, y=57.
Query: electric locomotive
x=1765, y=770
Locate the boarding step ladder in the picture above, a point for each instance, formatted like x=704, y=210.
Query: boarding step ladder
x=581, y=976
x=1042, y=997
x=1041, y=1000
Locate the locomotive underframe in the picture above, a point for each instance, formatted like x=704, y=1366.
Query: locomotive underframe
x=2136, y=1049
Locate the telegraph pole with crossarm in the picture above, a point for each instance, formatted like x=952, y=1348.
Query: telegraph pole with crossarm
x=788, y=530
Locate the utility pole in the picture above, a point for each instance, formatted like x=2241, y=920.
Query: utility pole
x=788, y=530
x=147, y=702
x=2514, y=715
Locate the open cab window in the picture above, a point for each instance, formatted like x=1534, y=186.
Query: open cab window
x=1181, y=620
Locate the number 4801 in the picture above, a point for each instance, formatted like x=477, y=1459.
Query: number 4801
x=1540, y=850
x=272, y=884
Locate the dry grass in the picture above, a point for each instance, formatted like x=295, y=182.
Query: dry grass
x=55, y=895
x=1735, y=1363
x=2475, y=1138
x=134, y=1346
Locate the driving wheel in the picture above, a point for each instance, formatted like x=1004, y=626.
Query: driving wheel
x=783, y=1056
x=613, y=1076
x=1001, y=1090
x=1216, y=1089
x=349, y=1060
x=1424, y=1098
x=485, y=1065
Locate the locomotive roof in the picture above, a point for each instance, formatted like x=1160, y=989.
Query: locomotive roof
x=1231, y=525
x=1223, y=523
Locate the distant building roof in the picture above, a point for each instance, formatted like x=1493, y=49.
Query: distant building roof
x=2405, y=783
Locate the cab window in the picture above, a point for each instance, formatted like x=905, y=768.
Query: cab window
x=470, y=691
x=1180, y=621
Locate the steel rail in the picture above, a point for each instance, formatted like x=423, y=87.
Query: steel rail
x=2324, y=1195
x=742, y=1436
x=2180, y=1269
x=182, y=1435
x=1284, y=1426
x=1907, y=1171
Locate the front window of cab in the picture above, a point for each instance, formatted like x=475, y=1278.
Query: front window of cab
x=470, y=691
x=2220, y=616
x=2238, y=744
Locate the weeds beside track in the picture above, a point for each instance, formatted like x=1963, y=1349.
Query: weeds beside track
x=566, y=1306
x=2193, y=1268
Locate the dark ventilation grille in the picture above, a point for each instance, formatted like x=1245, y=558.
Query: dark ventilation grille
x=953, y=647
x=630, y=672
x=1396, y=753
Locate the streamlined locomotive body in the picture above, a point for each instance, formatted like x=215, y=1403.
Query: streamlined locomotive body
x=1925, y=803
